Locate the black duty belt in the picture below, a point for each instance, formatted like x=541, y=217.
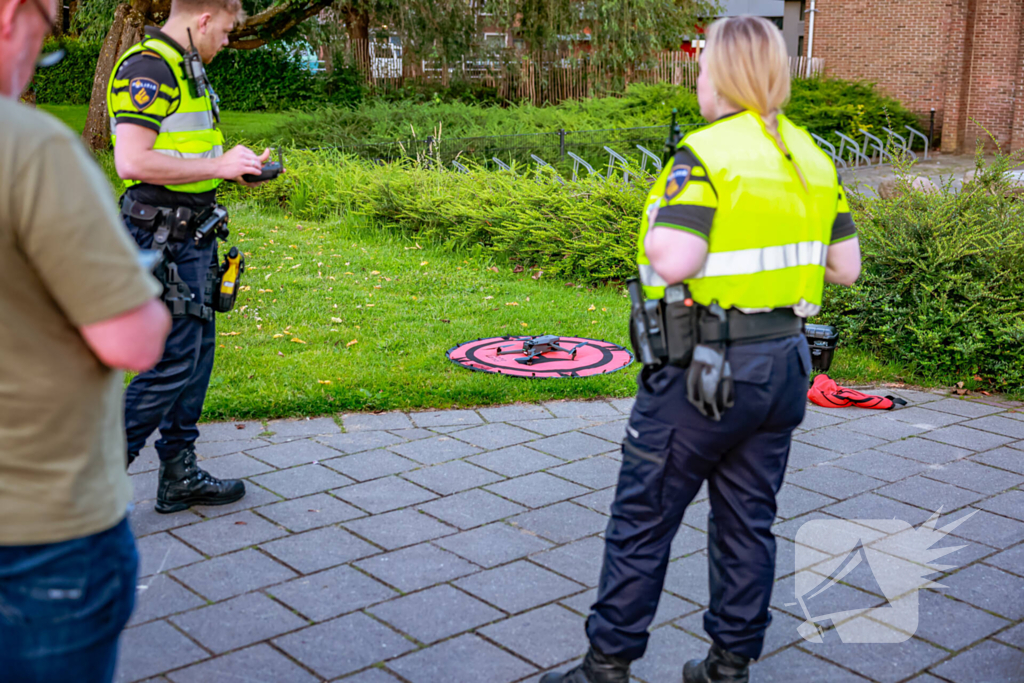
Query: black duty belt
x=749, y=328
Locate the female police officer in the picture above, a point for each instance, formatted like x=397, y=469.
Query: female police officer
x=751, y=216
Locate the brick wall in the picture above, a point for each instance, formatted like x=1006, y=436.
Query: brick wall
x=964, y=58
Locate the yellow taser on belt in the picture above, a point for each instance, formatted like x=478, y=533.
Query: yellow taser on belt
x=230, y=272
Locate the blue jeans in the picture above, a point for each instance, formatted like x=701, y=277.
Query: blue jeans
x=63, y=605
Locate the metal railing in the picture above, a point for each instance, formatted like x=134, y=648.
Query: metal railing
x=853, y=153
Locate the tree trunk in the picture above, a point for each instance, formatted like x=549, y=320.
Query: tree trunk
x=129, y=20
x=357, y=23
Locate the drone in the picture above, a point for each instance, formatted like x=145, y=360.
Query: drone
x=535, y=347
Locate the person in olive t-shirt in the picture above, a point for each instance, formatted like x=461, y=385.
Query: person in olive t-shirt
x=75, y=304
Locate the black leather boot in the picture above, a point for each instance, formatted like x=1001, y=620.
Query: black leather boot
x=719, y=665
x=183, y=484
x=596, y=667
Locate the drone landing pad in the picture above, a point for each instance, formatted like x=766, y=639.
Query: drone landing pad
x=596, y=357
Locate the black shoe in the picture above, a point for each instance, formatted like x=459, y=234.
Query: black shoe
x=719, y=666
x=183, y=484
x=596, y=667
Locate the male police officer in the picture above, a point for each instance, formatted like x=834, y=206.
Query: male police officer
x=167, y=148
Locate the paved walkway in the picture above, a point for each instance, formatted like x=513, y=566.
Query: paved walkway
x=465, y=546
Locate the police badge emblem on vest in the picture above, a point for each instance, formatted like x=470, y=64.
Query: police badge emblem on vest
x=677, y=180
x=143, y=92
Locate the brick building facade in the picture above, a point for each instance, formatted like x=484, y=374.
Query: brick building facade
x=965, y=58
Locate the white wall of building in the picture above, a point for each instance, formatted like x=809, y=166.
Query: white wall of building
x=759, y=8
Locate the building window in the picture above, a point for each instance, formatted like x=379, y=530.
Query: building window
x=803, y=8
x=800, y=46
x=775, y=20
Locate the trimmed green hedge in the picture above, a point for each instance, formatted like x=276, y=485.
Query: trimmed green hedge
x=70, y=82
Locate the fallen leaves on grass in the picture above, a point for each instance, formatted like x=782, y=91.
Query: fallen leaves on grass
x=537, y=275
x=518, y=269
x=354, y=341
x=337, y=320
x=423, y=263
x=324, y=381
x=297, y=340
x=487, y=298
x=230, y=334
x=512, y=303
x=592, y=307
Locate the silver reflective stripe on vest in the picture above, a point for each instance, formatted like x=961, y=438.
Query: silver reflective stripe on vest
x=750, y=261
x=211, y=154
x=187, y=123
x=648, y=278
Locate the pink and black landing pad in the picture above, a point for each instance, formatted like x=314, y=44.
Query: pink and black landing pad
x=592, y=357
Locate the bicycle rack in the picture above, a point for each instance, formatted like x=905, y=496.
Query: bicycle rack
x=830, y=150
x=503, y=166
x=459, y=167
x=913, y=132
x=646, y=154
x=543, y=164
x=614, y=156
x=901, y=143
x=854, y=147
x=577, y=162
x=879, y=145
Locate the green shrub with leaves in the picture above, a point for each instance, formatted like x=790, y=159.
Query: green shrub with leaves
x=942, y=287
x=70, y=82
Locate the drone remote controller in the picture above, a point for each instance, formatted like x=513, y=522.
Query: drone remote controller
x=270, y=171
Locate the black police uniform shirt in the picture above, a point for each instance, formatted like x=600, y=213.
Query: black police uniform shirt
x=150, y=113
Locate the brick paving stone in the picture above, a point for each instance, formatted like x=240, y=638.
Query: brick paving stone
x=596, y=473
x=839, y=440
x=372, y=675
x=413, y=434
x=598, y=501
x=238, y=622
x=230, y=575
x=216, y=449
x=945, y=622
x=623, y=405
x=382, y=495
x=988, y=588
x=915, y=397
x=153, y=648
x=999, y=425
x=515, y=461
x=450, y=429
x=145, y=520
x=964, y=408
x=301, y=481
x=328, y=594
x=928, y=493
x=517, y=411
x=466, y=659
x=572, y=446
x=518, y=586
x=786, y=560
x=228, y=431
x=667, y=650
x=791, y=527
x=803, y=455
x=875, y=511
x=697, y=515
x=989, y=661
x=562, y=522
x=370, y=465
x=1015, y=414
x=146, y=461
x=686, y=542
x=1013, y=636
x=444, y=418
x=359, y=422
x=792, y=665
x=235, y=466
x=816, y=420
x=162, y=553
x=965, y=437
x=580, y=561
x=399, y=528
x=496, y=436
x=587, y=409
x=293, y=453
x=311, y=512
x=312, y=551
x=436, y=613
x=290, y=430
x=923, y=450
x=925, y=417
x=848, y=413
x=883, y=427
x=254, y=497
x=794, y=501
x=452, y=477
x=356, y=442
x=159, y=596
x=560, y=425
x=833, y=481
x=1011, y=560
x=225, y=534
x=693, y=622
x=536, y=490
x=417, y=567
x=344, y=645
x=546, y=636
x=494, y=544
x=262, y=663
x=609, y=431
x=880, y=465
x=670, y=608
x=1018, y=445
x=436, y=450
x=471, y=508
x=1003, y=458
x=144, y=486
x=782, y=632
x=974, y=477
x=688, y=578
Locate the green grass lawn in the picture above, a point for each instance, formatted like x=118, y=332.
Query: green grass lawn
x=255, y=125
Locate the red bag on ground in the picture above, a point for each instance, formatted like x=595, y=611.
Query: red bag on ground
x=826, y=393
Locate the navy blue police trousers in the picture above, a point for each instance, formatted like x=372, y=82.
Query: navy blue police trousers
x=170, y=396
x=668, y=451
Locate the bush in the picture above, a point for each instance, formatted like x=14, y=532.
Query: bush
x=942, y=288
x=70, y=82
